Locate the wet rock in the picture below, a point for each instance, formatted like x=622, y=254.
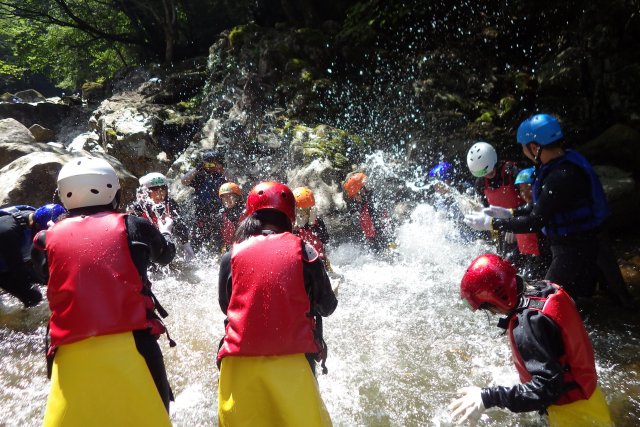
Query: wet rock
x=32, y=178
x=179, y=87
x=623, y=196
x=93, y=92
x=7, y=97
x=10, y=151
x=47, y=114
x=30, y=95
x=13, y=131
x=87, y=142
x=619, y=145
x=42, y=134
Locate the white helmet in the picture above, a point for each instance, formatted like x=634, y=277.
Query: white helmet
x=87, y=181
x=154, y=179
x=481, y=159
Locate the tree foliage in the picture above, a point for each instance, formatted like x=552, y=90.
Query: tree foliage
x=75, y=40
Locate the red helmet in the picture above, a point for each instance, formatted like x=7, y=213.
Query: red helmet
x=272, y=195
x=492, y=280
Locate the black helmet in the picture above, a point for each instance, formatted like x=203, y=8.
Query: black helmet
x=213, y=155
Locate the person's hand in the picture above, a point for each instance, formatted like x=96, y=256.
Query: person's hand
x=478, y=221
x=165, y=225
x=467, y=407
x=509, y=237
x=497, y=212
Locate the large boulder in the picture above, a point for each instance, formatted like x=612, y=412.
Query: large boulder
x=47, y=114
x=12, y=131
x=623, y=196
x=619, y=145
x=11, y=151
x=30, y=95
x=31, y=179
x=42, y=134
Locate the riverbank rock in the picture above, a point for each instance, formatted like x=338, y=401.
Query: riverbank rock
x=30, y=95
x=12, y=131
x=619, y=146
x=42, y=134
x=32, y=178
x=48, y=114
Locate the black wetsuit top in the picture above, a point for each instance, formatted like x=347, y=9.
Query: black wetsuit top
x=18, y=277
x=146, y=245
x=564, y=189
x=574, y=255
x=540, y=344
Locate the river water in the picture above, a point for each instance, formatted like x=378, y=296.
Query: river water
x=400, y=342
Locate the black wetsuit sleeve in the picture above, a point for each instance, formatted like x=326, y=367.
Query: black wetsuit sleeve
x=143, y=234
x=478, y=185
x=564, y=188
x=224, y=282
x=39, y=257
x=539, y=342
x=318, y=286
x=321, y=230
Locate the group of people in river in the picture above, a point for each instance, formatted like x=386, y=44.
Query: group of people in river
x=104, y=360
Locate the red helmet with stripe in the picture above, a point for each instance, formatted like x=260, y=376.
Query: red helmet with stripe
x=490, y=280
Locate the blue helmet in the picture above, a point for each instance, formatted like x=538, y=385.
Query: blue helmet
x=541, y=128
x=442, y=171
x=525, y=176
x=47, y=213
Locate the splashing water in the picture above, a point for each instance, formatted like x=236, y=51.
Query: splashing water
x=400, y=342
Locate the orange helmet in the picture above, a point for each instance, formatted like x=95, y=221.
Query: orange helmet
x=229, y=187
x=304, y=197
x=354, y=183
x=272, y=195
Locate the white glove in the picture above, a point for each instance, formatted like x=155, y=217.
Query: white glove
x=478, y=221
x=165, y=225
x=497, y=212
x=468, y=406
x=189, y=254
x=509, y=237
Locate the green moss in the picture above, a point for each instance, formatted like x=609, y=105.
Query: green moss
x=322, y=141
x=506, y=105
x=237, y=35
x=486, y=117
x=111, y=133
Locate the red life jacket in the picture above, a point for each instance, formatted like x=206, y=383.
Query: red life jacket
x=366, y=222
x=268, y=312
x=578, y=355
x=228, y=229
x=308, y=234
x=528, y=244
x=507, y=196
x=94, y=287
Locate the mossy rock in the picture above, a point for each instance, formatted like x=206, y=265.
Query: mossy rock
x=326, y=142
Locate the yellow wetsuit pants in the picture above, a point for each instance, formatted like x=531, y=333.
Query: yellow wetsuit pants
x=591, y=412
x=265, y=391
x=103, y=381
